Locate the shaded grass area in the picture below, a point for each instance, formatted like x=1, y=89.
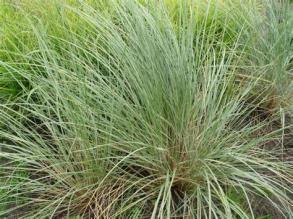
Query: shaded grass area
x=142, y=110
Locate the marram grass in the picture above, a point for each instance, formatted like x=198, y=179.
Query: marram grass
x=138, y=119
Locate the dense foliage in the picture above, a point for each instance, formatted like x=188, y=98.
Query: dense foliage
x=146, y=109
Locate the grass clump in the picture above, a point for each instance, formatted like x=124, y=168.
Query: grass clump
x=269, y=55
x=139, y=119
